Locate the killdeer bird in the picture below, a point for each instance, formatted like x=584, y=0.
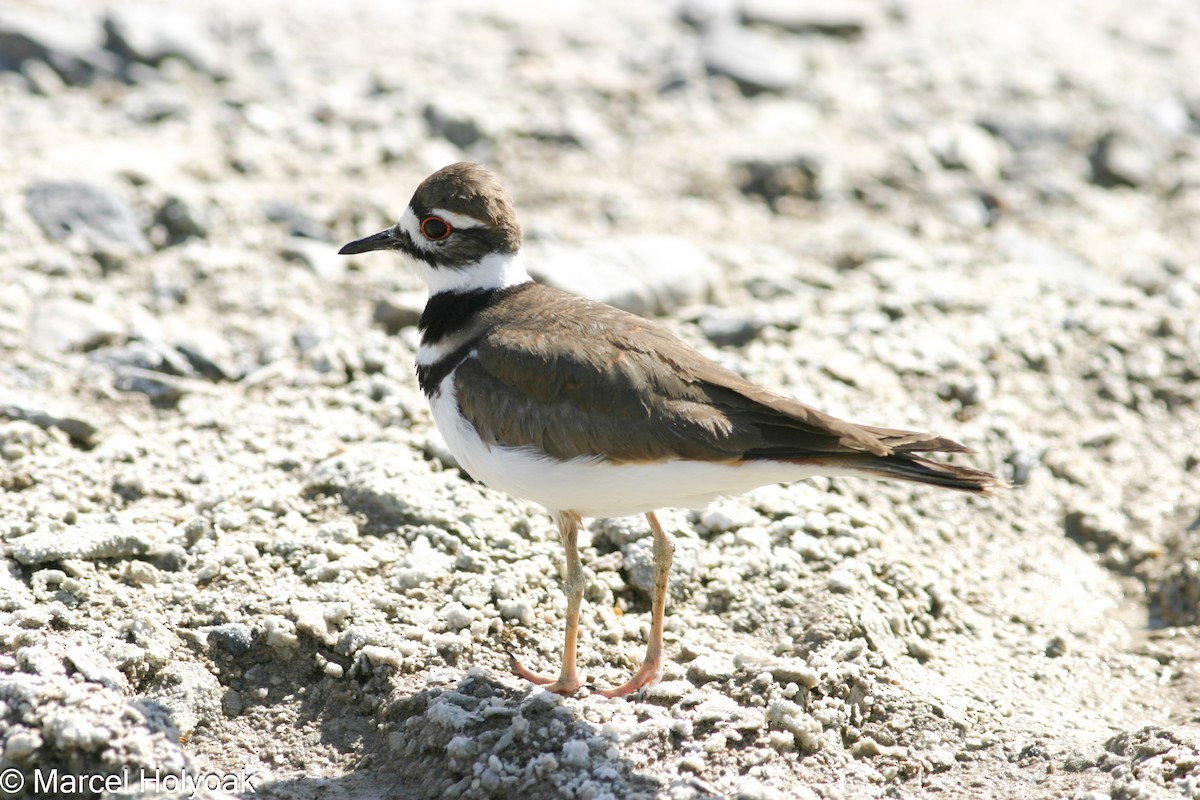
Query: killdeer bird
x=594, y=412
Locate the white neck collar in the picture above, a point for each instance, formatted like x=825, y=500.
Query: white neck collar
x=493, y=271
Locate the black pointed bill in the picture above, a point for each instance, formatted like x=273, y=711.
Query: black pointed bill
x=384, y=240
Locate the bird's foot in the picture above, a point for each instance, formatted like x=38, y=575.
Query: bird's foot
x=567, y=683
x=649, y=674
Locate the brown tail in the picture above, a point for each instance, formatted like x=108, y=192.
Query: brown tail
x=874, y=452
x=903, y=466
x=908, y=467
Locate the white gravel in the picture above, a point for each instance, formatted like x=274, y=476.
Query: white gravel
x=234, y=546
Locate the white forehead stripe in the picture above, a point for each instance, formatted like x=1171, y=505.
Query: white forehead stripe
x=412, y=226
x=457, y=220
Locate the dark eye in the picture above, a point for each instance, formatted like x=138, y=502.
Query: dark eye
x=434, y=228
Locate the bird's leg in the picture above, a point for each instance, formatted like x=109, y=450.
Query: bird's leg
x=568, y=678
x=652, y=667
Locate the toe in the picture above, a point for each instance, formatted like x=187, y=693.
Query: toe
x=649, y=674
x=567, y=683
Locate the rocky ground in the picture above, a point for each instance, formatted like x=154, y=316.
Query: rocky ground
x=234, y=548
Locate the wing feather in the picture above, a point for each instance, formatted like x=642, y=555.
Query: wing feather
x=580, y=379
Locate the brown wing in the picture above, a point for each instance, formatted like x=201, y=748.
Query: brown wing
x=576, y=378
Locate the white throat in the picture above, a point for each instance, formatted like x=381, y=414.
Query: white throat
x=493, y=271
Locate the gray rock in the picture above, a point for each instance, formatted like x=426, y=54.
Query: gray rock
x=754, y=789
x=204, y=362
x=62, y=325
x=26, y=38
x=148, y=356
x=797, y=177
x=1023, y=133
x=99, y=215
x=455, y=125
x=190, y=693
x=21, y=744
x=41, y=77
x=14, y=587
x=163, y=391
x=638, y=559
x=150, y=34
x=1161, y=758
x=641, y=274
x=94, y=667
x=730, y=329
x=1191, y=106
x=320, y=258
x=79, y=430
x=89, y=541
x=1175, y=595
x=179, y=222
x=847, y=19
x=1022, y=461
x=710, y=668
x=968, y=390
x=1122, y=158
x=155, y=108
x=190, y=359
x=389, y=483
x=719, y=709
x=1059, y=266
x=399, y=311
x=233, y=637
x=756, y=63
x=968, y=147
x=794, y=671
x=20, y=439
x=298, y=222
x=704, y=14
x=435, y=447
x=618, y=532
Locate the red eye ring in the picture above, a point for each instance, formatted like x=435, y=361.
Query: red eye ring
x=435, y=228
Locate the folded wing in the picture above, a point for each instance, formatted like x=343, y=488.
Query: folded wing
x=577, y=379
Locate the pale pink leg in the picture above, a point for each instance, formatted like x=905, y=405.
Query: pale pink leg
x=568, y=678
x=652, y=667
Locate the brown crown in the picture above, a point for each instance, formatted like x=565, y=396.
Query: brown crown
x=471, y=189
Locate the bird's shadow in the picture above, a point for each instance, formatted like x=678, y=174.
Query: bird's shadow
x=479, y=738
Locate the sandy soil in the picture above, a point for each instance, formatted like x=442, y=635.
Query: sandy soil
x=234, y=548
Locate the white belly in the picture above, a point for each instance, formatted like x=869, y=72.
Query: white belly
x=592, y=487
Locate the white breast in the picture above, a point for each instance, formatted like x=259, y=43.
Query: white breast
x=593, y=487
